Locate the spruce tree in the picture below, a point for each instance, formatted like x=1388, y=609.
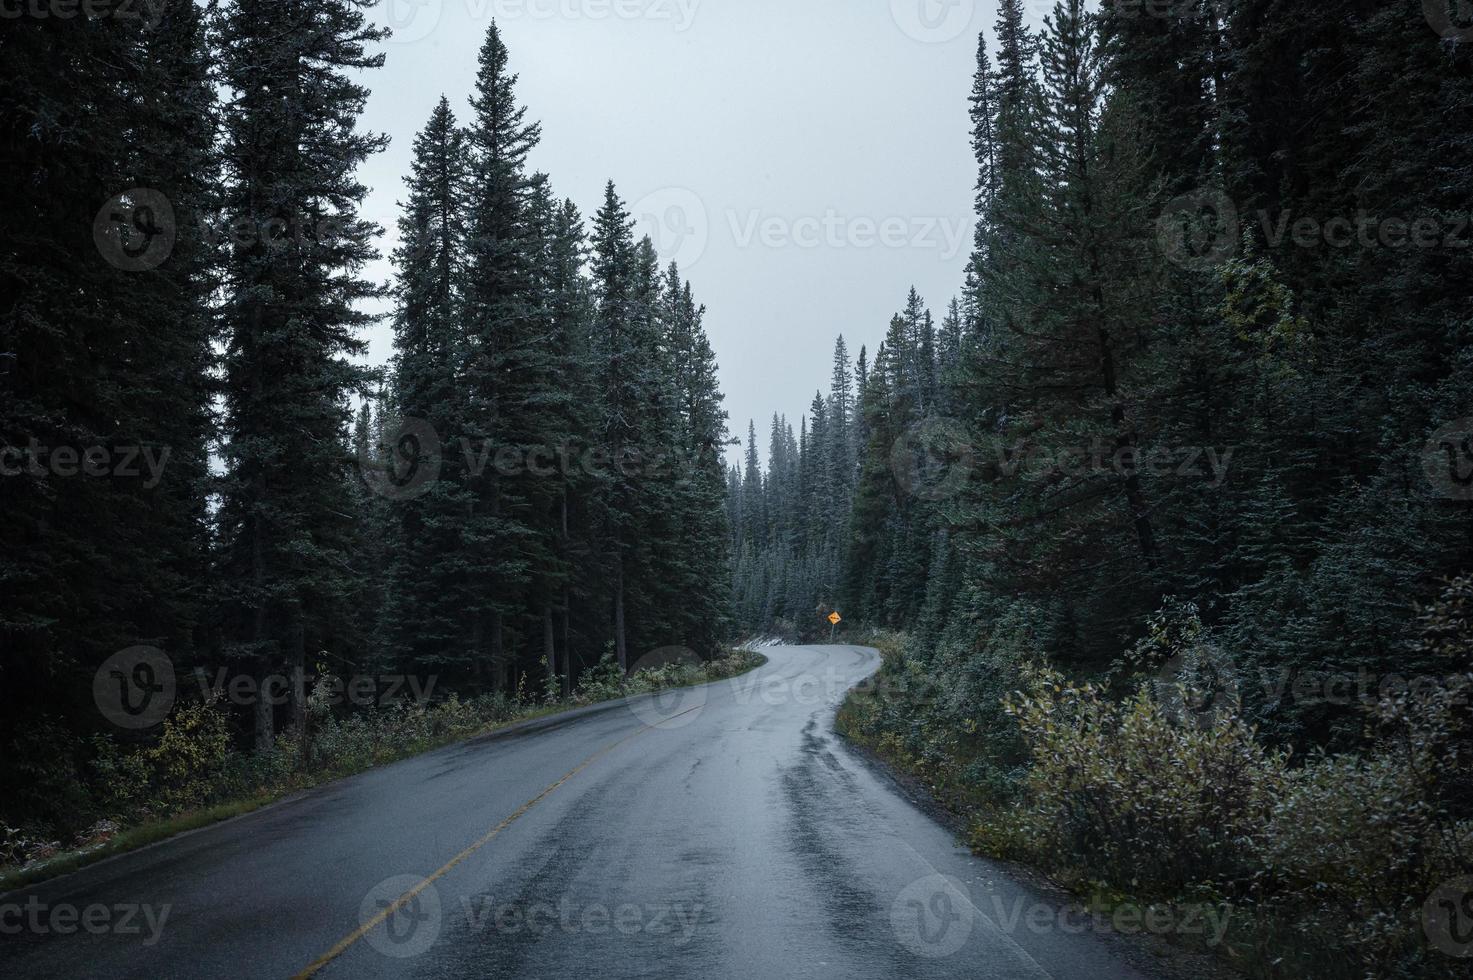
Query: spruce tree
x=503, y=364
x=430, y=555
x=292, y=293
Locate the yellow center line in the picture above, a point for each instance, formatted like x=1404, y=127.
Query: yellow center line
x=343, y=944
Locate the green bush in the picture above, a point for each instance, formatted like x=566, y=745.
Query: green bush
x=939, y=714
x=1143, y=801
x=1167, y=792
x=180, y=771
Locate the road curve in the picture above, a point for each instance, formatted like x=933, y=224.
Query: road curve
x=721, y=831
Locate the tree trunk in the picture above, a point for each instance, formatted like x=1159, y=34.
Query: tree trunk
x=1124, y=434
x=567, y=605
x=619, y=645
x=264, y=721
x=498, y=652
x=567, y=645
x=265, y=729
x=549, y=645
x=296, y=661
x=477, y=638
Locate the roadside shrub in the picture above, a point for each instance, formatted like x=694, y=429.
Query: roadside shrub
x=181, y=770
x=1144, y=802
x=938, y=713
x=1171, y=792
x=737, y=662
x=605, y=681
x=1369, y=838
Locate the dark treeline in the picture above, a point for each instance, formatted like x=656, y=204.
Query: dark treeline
x=790, y=525
x=196, y=459
x=1173, y=389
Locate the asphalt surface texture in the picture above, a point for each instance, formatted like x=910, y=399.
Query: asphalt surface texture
x=722, y=831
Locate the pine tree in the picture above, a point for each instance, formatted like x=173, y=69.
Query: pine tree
x=503, y=365
x=571, y=312
x=625, y=382
x=841, y=444
x=700, y=520
x=293, y=319
x=427, y=591
x=1170, y=66
x=754, y=508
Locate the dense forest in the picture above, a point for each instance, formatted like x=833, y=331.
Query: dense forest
x=1157, y=388
x=1162, y=524
x=1200, y=414
x=208, y=493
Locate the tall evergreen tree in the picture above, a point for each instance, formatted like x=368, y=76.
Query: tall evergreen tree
x=699, y=518
x=430, y=558
x=504, y=368
x=293, y=317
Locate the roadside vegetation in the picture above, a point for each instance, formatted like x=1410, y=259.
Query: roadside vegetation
x=1163, y=507
x=193, y=773
x=1147, y=784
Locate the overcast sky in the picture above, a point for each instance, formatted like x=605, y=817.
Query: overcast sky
x=806, y=161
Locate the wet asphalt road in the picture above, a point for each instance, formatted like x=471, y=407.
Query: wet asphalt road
x=722, y=832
